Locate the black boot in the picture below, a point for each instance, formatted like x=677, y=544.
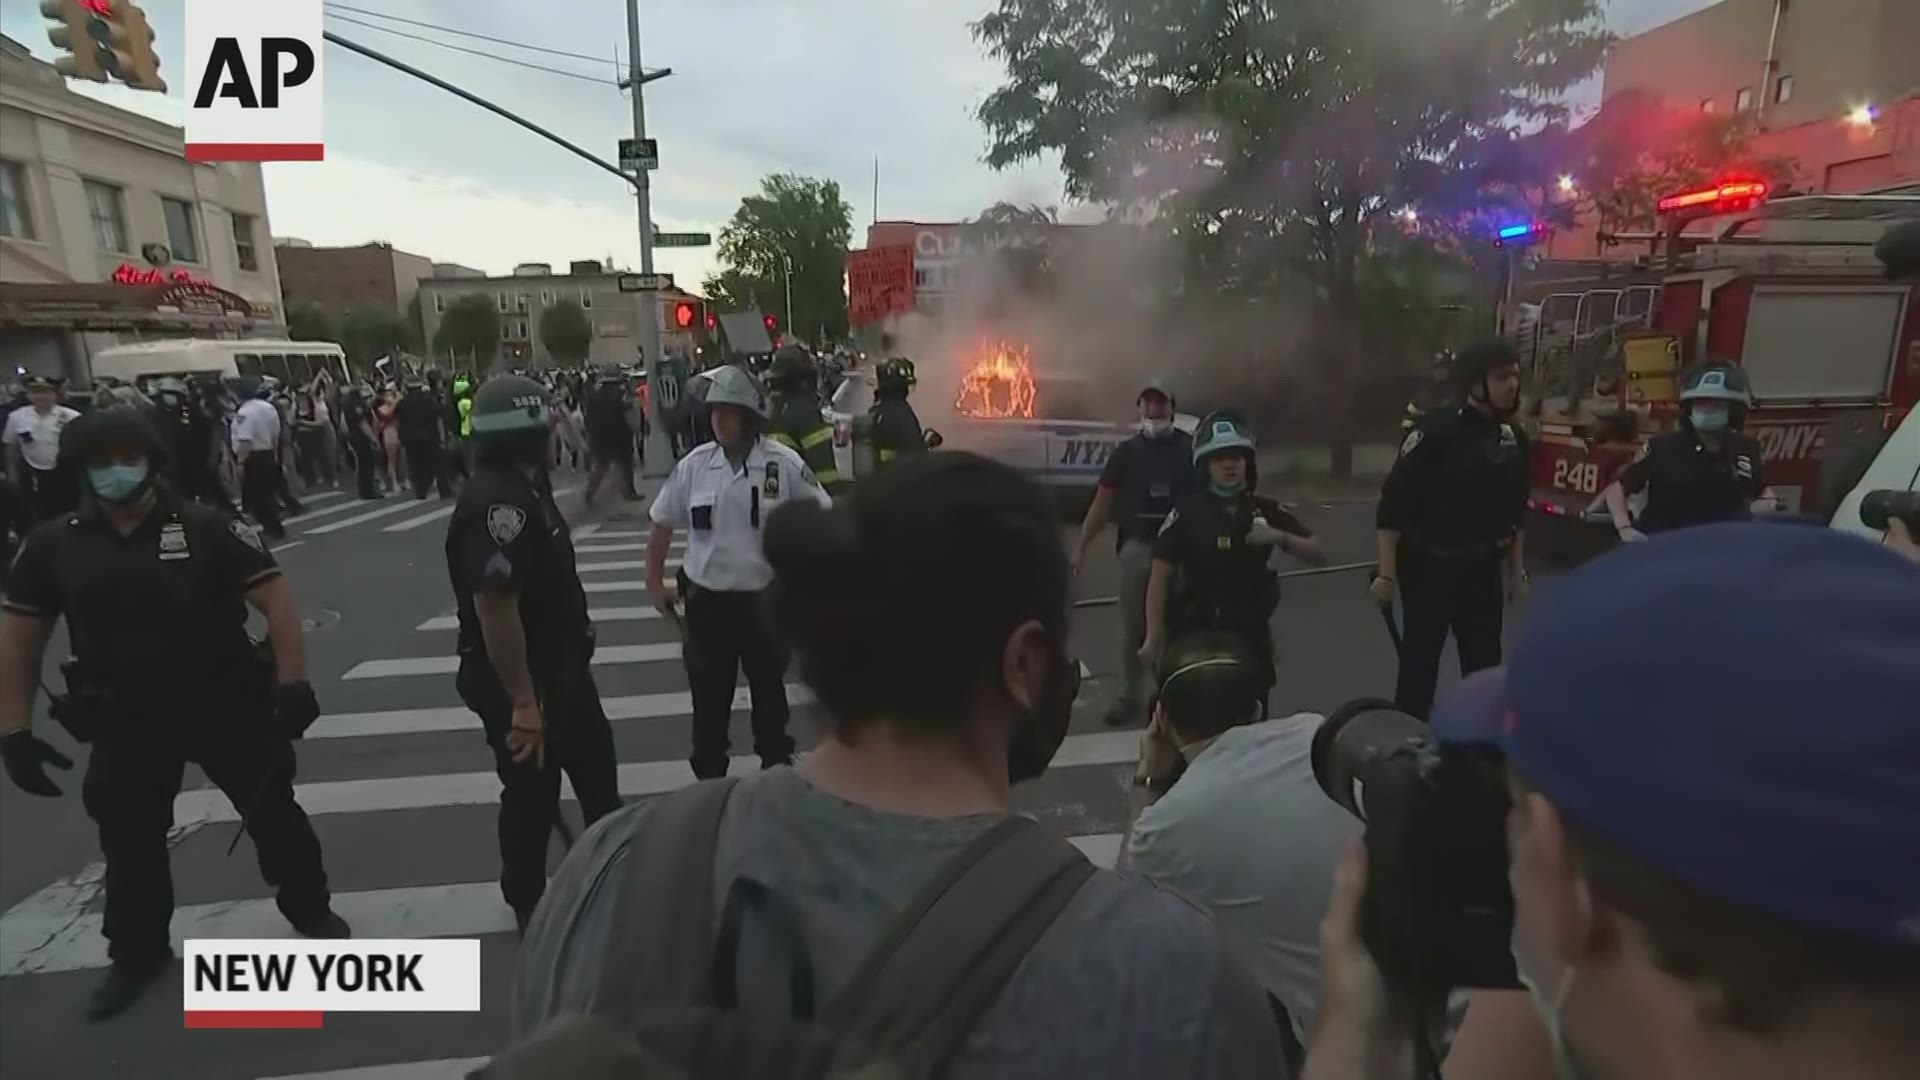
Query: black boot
x=124, y=984
x=326, y=927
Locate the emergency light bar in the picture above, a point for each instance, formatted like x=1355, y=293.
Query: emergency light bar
x=1519, y=235
x=1726, y=198
x=1514, y=231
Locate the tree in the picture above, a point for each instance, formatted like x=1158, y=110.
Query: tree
x=566, y=332
x=308, y=321
x=469, y=330
x=368, y=333
x=1022, y=238
x=1273, y=140
x=797, y=227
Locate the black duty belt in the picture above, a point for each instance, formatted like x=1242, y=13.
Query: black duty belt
x=1468, y=552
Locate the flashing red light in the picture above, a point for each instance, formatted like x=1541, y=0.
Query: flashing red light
x=683, y=315
x=1726, y=198
x=770, y=322
x=712, y=320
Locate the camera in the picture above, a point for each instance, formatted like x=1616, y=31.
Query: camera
x=1438, y=914
x=1878, y=509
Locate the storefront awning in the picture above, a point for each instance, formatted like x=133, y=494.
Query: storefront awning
x=174, y=305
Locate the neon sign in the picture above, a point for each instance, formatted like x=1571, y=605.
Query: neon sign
x=129, y=274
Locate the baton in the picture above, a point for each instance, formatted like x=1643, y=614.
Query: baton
x=259, y=794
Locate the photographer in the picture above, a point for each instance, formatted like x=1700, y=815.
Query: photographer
x=1707, y=884
x=1239, y=776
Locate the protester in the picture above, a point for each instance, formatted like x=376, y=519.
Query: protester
x=1708, y=884
x=930, y=719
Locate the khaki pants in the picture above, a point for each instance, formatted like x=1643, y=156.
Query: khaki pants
x=1136, y=566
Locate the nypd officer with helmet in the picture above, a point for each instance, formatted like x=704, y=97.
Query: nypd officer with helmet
x=1706, y=471
x=155, y=590
x=721, y=493
x=526, y=641
x=1449, y=523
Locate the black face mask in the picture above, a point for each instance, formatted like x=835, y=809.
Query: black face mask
x=1044, y=728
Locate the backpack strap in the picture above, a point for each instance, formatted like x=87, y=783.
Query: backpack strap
x=664, y=909
x=945, y=959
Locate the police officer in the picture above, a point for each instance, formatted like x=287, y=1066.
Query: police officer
x=256, y=445
x=1706, y=471
x=1438, y=393
x=418, y=418
x=356, y=415
x=1142, y=480
x=895, y=427
x=609, y=436
x=32, y=439
x=1449, y=525
x=1218, y=541
x=155, y=590
x=795, y=421
x=721, y=494
x=526, y=642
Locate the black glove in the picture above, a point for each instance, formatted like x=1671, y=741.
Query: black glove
x=295, y=708
x=27, y=758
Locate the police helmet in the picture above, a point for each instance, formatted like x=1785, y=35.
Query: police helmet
x=509, y=404
x=792, y=368
x=897, y=373
x=1717, y=380
x=1220, y=431
x=105, y=433
x=1475, y=362
x=1156, y=386
x=732, y=386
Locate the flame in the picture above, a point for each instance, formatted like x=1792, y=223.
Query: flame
x=999, y=385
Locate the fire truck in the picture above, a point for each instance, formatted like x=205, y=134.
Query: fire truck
x=1788, y=288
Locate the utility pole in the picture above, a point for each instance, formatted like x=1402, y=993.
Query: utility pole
x=659, y=451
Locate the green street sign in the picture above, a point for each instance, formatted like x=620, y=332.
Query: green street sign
x=682, y=239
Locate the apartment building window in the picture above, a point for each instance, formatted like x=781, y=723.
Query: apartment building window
x=586, y=300
x=1743, y=100
x=107, y=207
x=244, y=249
x=520, y=302
x=439, y=304
x=1783, y=89
x=182, y=237
x=546, y=298
x=506, y=303
x=16, y=217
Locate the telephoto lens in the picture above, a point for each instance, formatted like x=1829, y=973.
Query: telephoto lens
x=1878, y=509
x=1437, y=914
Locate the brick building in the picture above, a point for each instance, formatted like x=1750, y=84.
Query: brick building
x=373, y=276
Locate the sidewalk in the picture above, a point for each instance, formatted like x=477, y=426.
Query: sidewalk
x=1300, y=473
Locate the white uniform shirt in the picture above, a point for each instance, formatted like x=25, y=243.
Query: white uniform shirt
x=41, y=447
x=715, y=502
x=257, y=424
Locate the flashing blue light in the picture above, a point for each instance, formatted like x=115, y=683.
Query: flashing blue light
x=1513, y=232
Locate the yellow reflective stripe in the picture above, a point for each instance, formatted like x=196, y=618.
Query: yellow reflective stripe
x=888, y=455
x=816, y=437
x=785, y=440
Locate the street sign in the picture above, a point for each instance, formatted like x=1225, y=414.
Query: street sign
x=645, y=282
x=682, y=239
x=638, y=154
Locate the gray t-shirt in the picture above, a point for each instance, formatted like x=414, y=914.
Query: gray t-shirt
x=1131, y=981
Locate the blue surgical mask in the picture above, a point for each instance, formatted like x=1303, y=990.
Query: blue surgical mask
x=1709, y=421
x=118, y=484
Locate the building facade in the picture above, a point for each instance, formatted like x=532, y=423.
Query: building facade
x=520, y=298
x=108, y=234
x=375, y=276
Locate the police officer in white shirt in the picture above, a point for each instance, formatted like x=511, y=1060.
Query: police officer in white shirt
x=721, y=494
x=32, y=439
x=256, y=445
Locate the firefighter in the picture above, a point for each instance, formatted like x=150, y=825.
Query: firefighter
x=794, y=419
x=1707, y=470
x=1449, y=523
x=1438, y=393
x=896, y=428
x=1219, y=540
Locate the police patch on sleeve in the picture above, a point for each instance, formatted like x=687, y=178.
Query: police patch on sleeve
x=1172, y=516
x=1412, y=440
x=504, y=522
x=247, y=535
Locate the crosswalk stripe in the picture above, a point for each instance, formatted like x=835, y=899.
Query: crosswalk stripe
x=609, y=549
x=401, y=507
x=448, y=665
x=616, y=534
x=440, y=1069
x=617, y=564
x=313, y=498
x=675, y=703
x=328, y=512
x=623, y=586
x=464, y=909
x=597, y=615
x=587, y=530
x=424, y=519
x=209, y=806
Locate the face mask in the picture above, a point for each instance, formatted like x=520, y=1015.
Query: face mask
x=1044, y=727
x=1156, y=426
x=1226, y=491
x=1709, y=421
x=119, y=484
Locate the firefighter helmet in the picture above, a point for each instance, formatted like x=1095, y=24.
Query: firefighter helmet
x=896, y=374
x=506, y=404
x=792, y=369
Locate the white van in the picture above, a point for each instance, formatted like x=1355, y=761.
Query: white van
x=1896, y=467
x=293, y=362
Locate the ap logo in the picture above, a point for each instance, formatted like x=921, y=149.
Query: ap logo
x=256, y=68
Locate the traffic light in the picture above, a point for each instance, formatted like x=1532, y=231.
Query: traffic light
x=690, y=316
x=103, y=40
x=772, y=324
x=137, y=64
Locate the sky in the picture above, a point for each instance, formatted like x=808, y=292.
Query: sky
x=818, y=87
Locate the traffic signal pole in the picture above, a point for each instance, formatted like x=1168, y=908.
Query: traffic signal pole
x=659, y=452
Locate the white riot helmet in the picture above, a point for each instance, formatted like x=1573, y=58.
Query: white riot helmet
x=731, y=386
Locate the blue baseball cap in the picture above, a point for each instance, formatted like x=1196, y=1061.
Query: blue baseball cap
x=1738, y=705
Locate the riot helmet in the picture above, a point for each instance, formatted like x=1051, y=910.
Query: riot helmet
x=1224, y=434
x=1474, y=368
x=510, y=418
x=117, y=452
x=731, y=386
x=1715, y=398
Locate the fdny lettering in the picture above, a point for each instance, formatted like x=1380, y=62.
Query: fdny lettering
x=1092, y=453
x=1791, y=442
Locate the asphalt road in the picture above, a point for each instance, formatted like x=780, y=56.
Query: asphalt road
x=398, y=782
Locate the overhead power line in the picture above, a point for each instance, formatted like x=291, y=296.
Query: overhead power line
x=465, y=33
x=477, y=52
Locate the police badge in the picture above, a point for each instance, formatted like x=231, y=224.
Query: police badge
x=772, y=486
x=242, y=532
x=504, y=522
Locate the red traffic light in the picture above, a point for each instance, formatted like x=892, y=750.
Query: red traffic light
x=683, y=315
x=712, y=320
x=769, y=321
